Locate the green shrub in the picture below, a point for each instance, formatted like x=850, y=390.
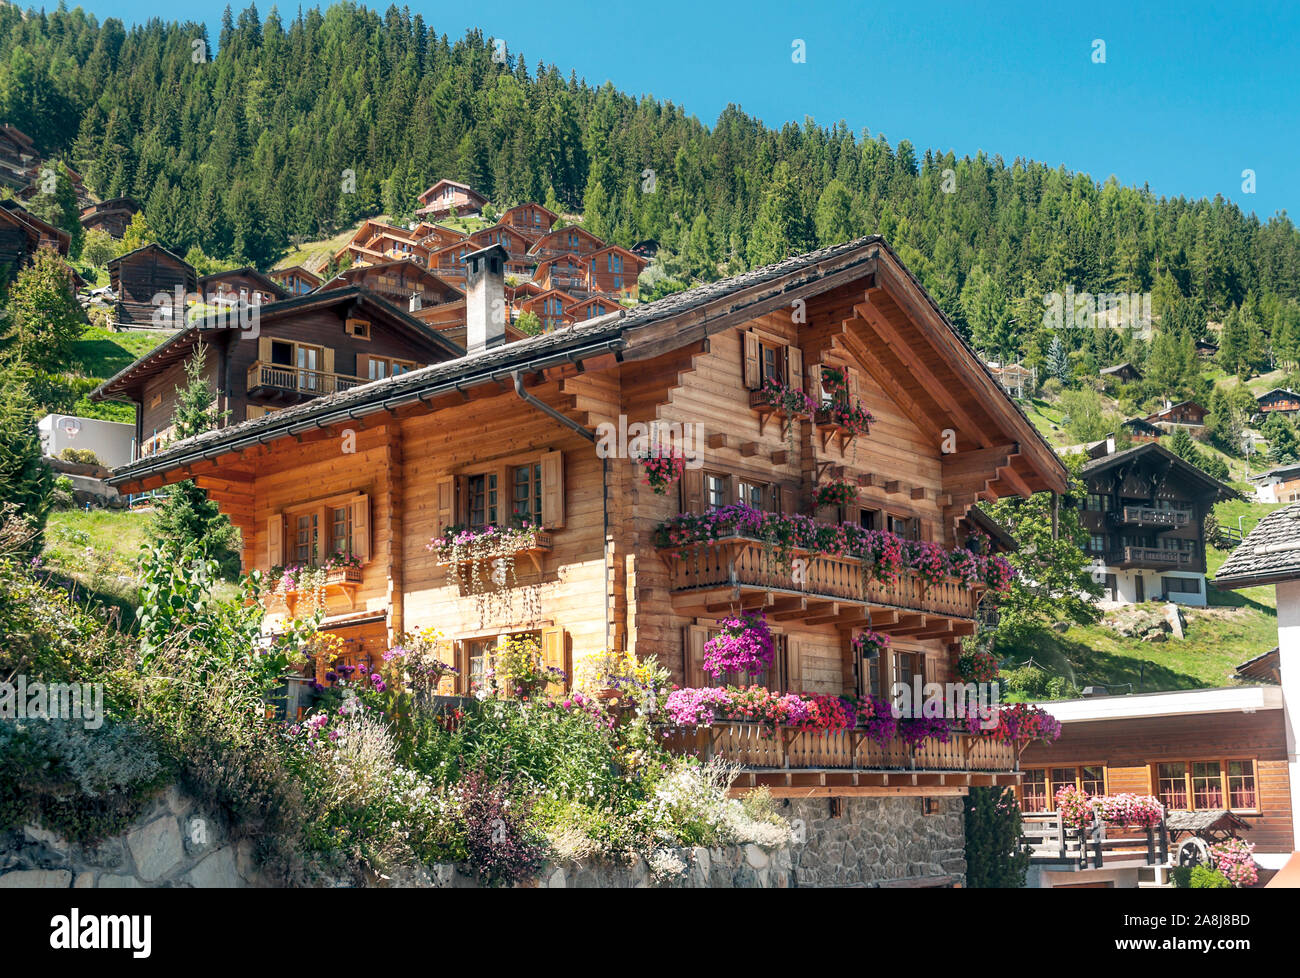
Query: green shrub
x=1028, y=681
x=80, y=456
x=996, y=856
x=1204, y=878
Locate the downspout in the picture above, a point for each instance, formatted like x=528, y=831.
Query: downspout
x=604, y=479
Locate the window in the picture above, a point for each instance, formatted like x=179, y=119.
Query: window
x=772, y=359
x=1062, y=777
x=478, y=654
x=1241, y=785
x=869, y=519
x=1033, y=792
x=1171, y=785
x=1207, y=784
x=482, y=500
x=1097, y=503
x=378, y=368
x=340, y=530
x=715, y=489
x=1097, y=543
x=755, y=494
x=776, y=677
x=1182, y=585
x=526, y=501
x=1093, y=780
x=907, y=665
x=304, y=538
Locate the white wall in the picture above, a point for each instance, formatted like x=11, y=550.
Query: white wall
x=111, y=441
x=1288, y=640
x=1153, y=586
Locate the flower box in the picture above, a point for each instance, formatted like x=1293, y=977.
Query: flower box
x=534, y=547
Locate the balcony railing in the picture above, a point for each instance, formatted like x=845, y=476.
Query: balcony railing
x=747, y=565
x=1149, y=557
x=1093, y=846
x=764, y=751
x=1150, y=516
x=271, y=378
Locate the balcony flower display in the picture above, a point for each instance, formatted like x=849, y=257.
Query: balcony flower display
x=664, y=465
x=916, y=730
x=998, y=574
x=700, y=707
x=828, y=713
x=744, y=645
x=854, y=418
x=519, y=671
x=1074, y=806
x=1235, y=860
x=837, y=492
x=834, y=380
x=881, y=725
x=868, y=644
x=791, y=401
x=928, y=561
x=463, y=545
x=977, y=667
x=419, y=658
x=1130, y=810
x=1018, y=721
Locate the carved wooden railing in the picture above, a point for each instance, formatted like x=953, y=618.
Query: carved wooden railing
x=734, y=561
x=299, y=380
x=1149, y=516
x=1150, y=556
x=759, y=746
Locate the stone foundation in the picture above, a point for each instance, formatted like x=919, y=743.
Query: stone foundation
x=877, y=842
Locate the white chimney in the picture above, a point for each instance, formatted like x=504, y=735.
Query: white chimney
x=415, y=302
x=485, y=298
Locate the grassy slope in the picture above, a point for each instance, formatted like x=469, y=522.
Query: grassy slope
x=100, y=353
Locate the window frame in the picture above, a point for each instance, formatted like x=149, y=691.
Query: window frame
x=1224, y=763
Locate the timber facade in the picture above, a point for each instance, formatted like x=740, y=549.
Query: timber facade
x=512, y=431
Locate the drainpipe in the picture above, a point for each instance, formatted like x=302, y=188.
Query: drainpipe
x=604, y=479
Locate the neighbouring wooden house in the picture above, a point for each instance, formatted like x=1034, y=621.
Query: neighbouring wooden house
x=296, y=280
x=18, y=157
x=572, y=240
x=1140, y=430
x=1184, y=414
x=519, y=265
x=551, y=307
x=245, y=284
x=1263, y=668
x=111, y=216
x=1125, y=373
x=449, y=263
x=447, y=197
x=295, y=350
x=435, y=236
x=410, y=286
x=531, y=220
x=1206, y=349
x=1017, y=380
x=1280, y=484
x=1144, y=511
x=1279, y=400
x=614, y=271
x=596, y=306
x=527, y=431
x=152, y=287
x=22, y=234
x=1215, y=759
x=568, y=273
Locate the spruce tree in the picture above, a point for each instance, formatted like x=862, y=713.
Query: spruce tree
x=25, y=479
x=996, y=854
x=45, y=320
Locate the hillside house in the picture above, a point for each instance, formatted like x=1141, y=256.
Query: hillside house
x=1206, y=349
x=1125, y=373
x=531, y=220
x=110, y=216
x=511, y=432
x=1142, y=430
x=569, y=274
x=614, y=271
x=1215, y=759
x=1279, y=400
x=447, y=197
x=245, y=284
x=302, y=349
x=147, y=282
x=551, y=307
x=410, y=286
x=1144, y=511
x=1017, y=380
x=295, y=280
x=18, y=157
x=22, y=234
x=1280, y=484
x=1184, y=414
x=572, y=240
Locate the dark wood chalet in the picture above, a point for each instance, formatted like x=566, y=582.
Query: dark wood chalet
x=1185, y=414
x=301, y=349
x=245, y=284
x=18, y=157
x=551, y=307
x=571, y=240
x=514, y=431
x=1123, y=372
x=1144, y=511
x=568, y=273
x=111, y=216
x=295, y=279
x=1216, y=759
x=1140, y=429
x=22, y=233
x=1279, y=400
x=148, y=273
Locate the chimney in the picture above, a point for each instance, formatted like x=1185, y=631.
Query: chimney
x=485, y=298
x=415, y=302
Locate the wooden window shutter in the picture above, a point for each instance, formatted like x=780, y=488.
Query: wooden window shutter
x=553, y=657
x=753, y=372
x=693, y=639
x=275, y=541
x=361, y=528
x=328, y=358
x=450, y=685
x=363, y=366
x=445, y=500
x=794, y=367
x=815, y=382
x=264, y=349
x=552, y=489
x=789, y=501
x=855, y=385
x=692, y=491
x=914, y=528
x=793, y=665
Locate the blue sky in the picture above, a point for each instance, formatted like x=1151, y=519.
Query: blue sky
x=1189, y=95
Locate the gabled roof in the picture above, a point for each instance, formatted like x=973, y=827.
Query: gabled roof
x=568, y=299
x=296, y=270
x=1269, y=554
x=152, y=245
x=1173, y=407
x=518, y=207
x=542, y=242
x=1142, y=424
x=113, y=203
x=180, y=345
x=1150, y=451
x=1120, y=368
x=37, y=226
x=1264, y=667
x=645, y=332
x=1277, y=390
x=345, y=277
x=1278, y=471
x=248, y=271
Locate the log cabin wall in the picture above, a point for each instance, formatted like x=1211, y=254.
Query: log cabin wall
x=1129, y=750
x=160, y=395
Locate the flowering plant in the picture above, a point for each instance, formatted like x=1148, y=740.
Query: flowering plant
x=790, y=400
x=1074, y=806
x=418, y=657
x=1019, y=721
x=916, y=730
x=459, y=542
x=1141, y=811
x=837, y=492
x=700, y=707
x=1235, y=860
x=828, y=713
x=348, y=561
x=834, y=380
x=663, y=467
x=882, y=723
x=977, y=667
x=519, y=670
x=744, y=645
x=928, y=561
x=854, y=418
x=868, y=644
x=998, y=574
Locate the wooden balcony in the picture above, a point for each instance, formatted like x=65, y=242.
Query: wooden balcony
x=1150, y=517
x=1150, y=558
x=1058, y=846
x=272, y=381
x=536, y=553
x=717, y=576
x=785, y=757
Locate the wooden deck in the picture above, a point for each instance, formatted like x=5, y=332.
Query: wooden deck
x=786, y=757
x=1062, y=847
x=828, y=589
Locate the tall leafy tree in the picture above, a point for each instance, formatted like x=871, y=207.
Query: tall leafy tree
x=45, y=320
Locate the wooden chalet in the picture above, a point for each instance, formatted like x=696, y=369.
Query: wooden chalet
x=150, y=272
x=245, y=284
x=1125, y=373
x=22, y=234
x=571, y=240
x=413, y=287
x=1216, y=759
x=18, y=157
x=295, y=279
x=510, y=432
x=1144, y=511
x=1184, y=414
x=446, y=196
x=551, y=307
x=593, y=308
x=303, y=349
x=1279, y=400
x=568, y=273
x=531, y=220
x=1206, y=349
x=449, y=263
x=614, y=271
x=1280, y=484
x=435, y=236
x=1140, y=430
x=111, y=216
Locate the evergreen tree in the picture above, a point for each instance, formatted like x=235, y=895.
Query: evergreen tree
x=1283, y=445
x=59, y=207
x=1058, y=360
x=45, y=320
x=25, y=479
x=834, y=215
x=137, y=234
x=997, y=856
